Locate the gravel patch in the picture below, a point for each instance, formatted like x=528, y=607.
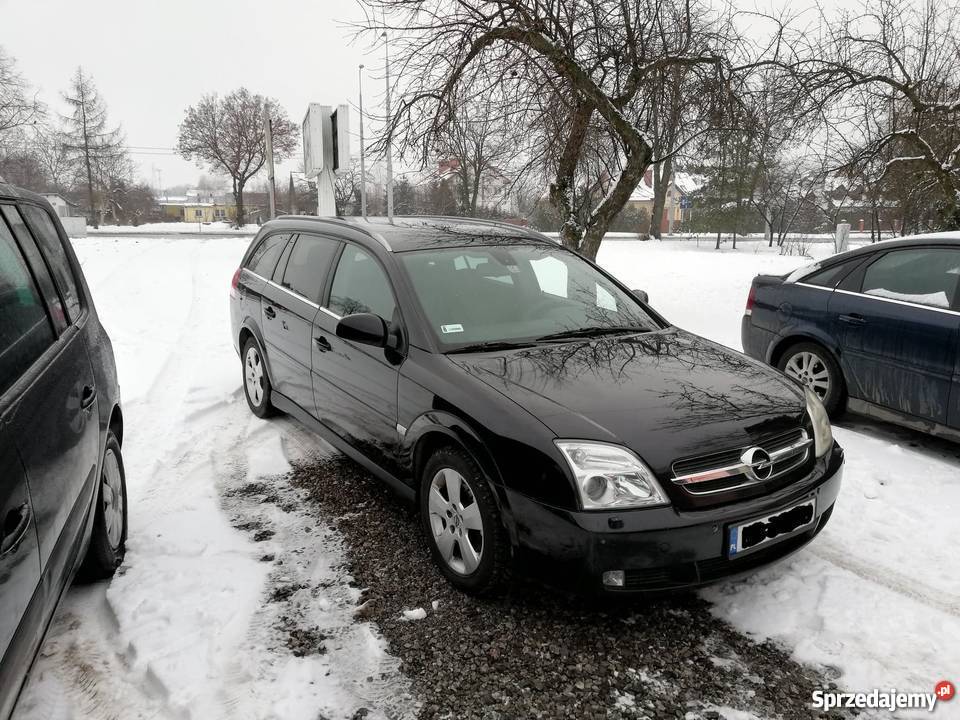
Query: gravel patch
x=539, y=653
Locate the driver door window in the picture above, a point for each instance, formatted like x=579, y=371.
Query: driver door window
x=361, y=286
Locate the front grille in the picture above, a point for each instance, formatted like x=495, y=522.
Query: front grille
x=728, y=470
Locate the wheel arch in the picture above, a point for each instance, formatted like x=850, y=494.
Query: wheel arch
x=248, y=329
x=116, y=423
x=783, y=344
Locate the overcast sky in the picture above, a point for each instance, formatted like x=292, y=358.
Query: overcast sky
x=150, y=60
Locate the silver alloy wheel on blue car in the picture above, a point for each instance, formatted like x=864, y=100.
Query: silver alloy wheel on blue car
x=811, y=370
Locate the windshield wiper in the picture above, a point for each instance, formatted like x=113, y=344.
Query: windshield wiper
x=590, y=332
x=490, y=346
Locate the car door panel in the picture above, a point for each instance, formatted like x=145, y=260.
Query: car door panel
x=356, y=385
x=19, y=545
x=897, y=354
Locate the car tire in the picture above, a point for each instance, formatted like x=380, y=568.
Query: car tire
x=813, y=365
x=108, y=540
x=256, y=380
x=462, y=523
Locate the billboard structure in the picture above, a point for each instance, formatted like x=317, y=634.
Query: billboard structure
x=326, y=150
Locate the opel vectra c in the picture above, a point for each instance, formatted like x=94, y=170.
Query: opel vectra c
x=540, y=414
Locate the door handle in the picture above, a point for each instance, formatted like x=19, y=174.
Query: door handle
x=322, y=343
x=15, y=526
x=270, y=312
x=89, y=395
x=853, y=319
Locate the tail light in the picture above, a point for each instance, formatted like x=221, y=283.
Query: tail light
x=751, y=299
x=235, y=283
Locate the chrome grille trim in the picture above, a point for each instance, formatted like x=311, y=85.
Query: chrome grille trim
x=783, y=460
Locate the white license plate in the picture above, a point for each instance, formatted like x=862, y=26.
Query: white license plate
x=751, y=534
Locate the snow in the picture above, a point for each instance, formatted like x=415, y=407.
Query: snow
x=186, y=628
x=415, y=614
x=937, y=299
x=876, y=596
x=173, y=228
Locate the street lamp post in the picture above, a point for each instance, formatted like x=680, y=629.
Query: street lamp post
x=386, y=47
x=363, y=161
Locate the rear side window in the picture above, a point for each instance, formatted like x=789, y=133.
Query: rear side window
x=361, y=286
x=264, y=258
x=830, y=277
x=309, y=264
x=25, y=330
x=49, y=240
x=925, y=276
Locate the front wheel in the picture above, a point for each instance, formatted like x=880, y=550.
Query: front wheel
x=814, y=367
x=109, y=538
x=462, y=523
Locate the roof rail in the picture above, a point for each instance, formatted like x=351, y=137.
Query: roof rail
x=341, y=222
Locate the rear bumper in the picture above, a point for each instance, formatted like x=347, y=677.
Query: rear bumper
x=662, y=549
x=755, y=341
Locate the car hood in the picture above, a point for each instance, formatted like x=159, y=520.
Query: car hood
x=667, y=395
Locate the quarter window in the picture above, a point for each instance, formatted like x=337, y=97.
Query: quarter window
x=25, y=330
x=831, y=276
x=309, y=263
x=361, y=286
x=264, y=258
x=925, y=276
x=50, y=243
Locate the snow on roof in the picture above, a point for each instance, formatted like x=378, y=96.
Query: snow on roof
x=642, y=193
x=687, y=183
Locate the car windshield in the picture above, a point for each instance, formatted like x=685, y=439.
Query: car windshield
x=506, y=295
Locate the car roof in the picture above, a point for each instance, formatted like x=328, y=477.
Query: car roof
x=417, y=232
x=12, y=192
x=950, y=238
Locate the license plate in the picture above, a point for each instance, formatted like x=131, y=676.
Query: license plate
x=760, y=531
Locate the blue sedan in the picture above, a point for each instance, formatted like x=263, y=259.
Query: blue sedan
x=874, y=330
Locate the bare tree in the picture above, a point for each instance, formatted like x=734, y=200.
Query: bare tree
x=227, y=134
x=900, y=59
x=17, y=107
x=96, y=150
x=573, y=66
x=346, y=190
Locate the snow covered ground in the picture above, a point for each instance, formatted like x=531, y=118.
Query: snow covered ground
x=200, y=621
x=218, y=579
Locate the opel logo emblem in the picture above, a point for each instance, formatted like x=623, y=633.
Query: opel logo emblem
x=758, y=462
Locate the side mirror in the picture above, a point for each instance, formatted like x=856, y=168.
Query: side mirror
x=365, y=328
x=642, y=296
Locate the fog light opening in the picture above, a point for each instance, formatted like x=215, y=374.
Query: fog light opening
x=613, y=578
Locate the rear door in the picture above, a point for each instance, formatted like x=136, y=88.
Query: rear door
x=356, y=385
x=289, y=308
x=25, y=334
x=899, y=330
x=56, y=421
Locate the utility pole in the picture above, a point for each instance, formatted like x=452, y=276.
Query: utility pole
x=386, y=47
x=363, y=161
x=268, y=136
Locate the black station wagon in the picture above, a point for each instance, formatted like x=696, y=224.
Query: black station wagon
x=539, y=413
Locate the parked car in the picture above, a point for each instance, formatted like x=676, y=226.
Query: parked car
x=63, y=500
x=539, y=414
x=873, y=330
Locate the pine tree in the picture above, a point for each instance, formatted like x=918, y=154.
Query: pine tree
x=97, y=152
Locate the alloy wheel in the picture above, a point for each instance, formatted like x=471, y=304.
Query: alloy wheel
x=456, y=521
x=253, y=372
x=112, y=498
x=810, y=370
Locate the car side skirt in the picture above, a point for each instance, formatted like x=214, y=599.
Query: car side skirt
x=285, y=404
x=878, y=412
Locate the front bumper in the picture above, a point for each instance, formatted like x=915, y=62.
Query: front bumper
x=661, y=548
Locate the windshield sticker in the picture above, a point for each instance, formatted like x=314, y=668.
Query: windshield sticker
x=447, y=329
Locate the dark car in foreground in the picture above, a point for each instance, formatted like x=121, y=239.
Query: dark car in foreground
x=62, y=493
x=874, y=330
x=538, y=412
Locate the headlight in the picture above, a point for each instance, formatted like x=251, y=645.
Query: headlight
x=822, y=432
x=610, y=476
